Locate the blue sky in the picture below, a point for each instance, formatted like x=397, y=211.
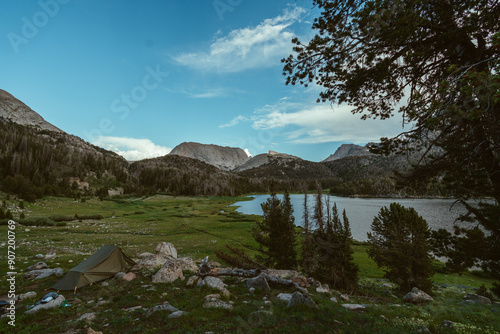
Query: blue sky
x=139, y=78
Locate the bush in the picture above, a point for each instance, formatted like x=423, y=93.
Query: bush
x=400, y=241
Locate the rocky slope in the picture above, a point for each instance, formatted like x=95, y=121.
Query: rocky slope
x=225, y=158
x=16, y=111
x=348, y=150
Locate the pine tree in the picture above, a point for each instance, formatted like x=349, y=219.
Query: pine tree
x=400, y=241
x=307, y=246
x=276, y=233
x=335, y=263
x=319, y=216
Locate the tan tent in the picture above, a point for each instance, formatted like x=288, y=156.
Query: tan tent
x=103, y=264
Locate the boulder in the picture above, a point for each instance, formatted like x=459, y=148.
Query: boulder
x=52, y=304
x=149, y=263
x=215, y=283
x=43, y=273
x=166, y=249
x=300, y=299
x=188, y=264
x=169, y=272
x=37, y=266
x=259, y=283
x=417, y=296
x=477, y=298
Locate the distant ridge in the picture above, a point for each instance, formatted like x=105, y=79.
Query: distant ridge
x=16, y=111
x=348, y=150
x=225, y=158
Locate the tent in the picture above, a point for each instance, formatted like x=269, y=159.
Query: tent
x=103, y=264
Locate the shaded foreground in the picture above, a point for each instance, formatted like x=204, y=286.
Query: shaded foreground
x=197, y=227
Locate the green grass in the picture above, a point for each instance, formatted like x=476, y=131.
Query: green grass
x=197, y=227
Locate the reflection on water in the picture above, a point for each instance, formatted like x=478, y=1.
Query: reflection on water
x=439, y=213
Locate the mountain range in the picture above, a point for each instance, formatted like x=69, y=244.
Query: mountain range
x=40, y=159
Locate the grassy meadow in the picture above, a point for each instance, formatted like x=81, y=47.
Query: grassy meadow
x=198, y=226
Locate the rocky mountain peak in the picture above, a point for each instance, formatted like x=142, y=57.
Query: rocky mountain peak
x=223, y=157
x=16, y=111
x=348, y=150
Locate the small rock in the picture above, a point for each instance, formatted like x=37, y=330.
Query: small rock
x=50, y=256
x=447, y=324
x=104, y=283
x=164, y=307
x=333, y=299
x=77, y=301
x=301, y=280
x=39, y=256
x=70, y=261
x=323, y=289
x=285, y=297
x=129, y=276
x=119, y=275
x=387, y=285
x=338, y=323
x=102, y=302
x=87, y=317
x=354, y=307
x=192, y=280
x=176, y=314
x=91, y=331
x=268, y=302
x=132, y=309
x=344, y=298
x=417, y=296
x=27, y=295
x=251, y=290
x=216, y=303
x=215, y=295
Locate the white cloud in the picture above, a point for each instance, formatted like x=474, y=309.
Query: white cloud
x=320, y=123
x=247, y=48
x=132, y=149
x=234, y=121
